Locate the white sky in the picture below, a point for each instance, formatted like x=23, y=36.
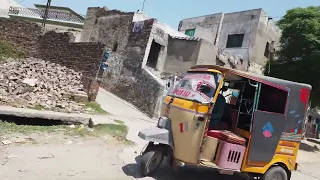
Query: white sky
x=5, y=4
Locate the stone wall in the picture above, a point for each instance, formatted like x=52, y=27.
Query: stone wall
x=54, y=47
x=23, y=35
x=126, y=77
x=109, y=27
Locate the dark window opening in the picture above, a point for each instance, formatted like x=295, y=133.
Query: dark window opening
x=115, y=47
x=267, y=50
x=272, y=99
x=154, y=55
x=235, y=40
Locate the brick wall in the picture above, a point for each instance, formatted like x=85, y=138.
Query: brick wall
x=93, y=90
x=54, y=47
x=82, y=57
x=23, y=35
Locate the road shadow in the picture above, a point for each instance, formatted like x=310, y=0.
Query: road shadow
x=184, y=173
x=308, y=147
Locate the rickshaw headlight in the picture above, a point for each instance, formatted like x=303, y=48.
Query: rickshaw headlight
x=161, y=122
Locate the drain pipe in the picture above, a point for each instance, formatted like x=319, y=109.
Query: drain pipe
x=219, y=30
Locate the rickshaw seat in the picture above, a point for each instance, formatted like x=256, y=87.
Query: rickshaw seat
x=227, y=136
x=214, y=133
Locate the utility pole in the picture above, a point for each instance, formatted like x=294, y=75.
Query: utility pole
x=45, y=17
x=143, y=5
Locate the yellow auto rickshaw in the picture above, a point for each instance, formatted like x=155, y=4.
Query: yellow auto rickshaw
x=229, y=120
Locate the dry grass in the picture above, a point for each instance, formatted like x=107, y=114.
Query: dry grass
x=118, y=131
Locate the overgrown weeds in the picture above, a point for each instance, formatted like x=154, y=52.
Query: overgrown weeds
x=118, y=130
x=95, y=108
x=8, y=50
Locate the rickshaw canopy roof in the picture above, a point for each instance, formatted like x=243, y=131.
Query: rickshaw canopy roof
x=232, y=73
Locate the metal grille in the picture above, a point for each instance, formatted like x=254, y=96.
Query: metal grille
x=4, y=13
x=38, y=13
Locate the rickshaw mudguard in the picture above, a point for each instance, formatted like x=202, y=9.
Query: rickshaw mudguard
x=157, y=135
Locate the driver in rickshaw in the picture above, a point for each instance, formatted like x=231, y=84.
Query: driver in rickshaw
x=217, y=122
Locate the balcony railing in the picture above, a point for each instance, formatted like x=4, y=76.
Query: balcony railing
x=39, y=14
x=4, y=13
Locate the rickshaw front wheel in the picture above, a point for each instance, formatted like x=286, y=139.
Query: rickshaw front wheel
x=275, y=173
x=150, y=162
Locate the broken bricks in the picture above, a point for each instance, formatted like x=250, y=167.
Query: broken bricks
x=33, y=82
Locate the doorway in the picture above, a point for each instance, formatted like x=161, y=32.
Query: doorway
x=154, y=55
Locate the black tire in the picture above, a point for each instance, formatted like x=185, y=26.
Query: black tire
x=275, y=173
x=147, y=159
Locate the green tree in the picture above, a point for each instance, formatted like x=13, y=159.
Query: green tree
x=299, y=54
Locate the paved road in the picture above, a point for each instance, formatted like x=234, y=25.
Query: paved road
x=118, y=107
x=307, y=171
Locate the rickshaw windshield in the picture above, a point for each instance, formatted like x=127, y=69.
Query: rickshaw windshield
x=189, y=86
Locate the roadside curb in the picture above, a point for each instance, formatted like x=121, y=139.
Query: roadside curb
x=317, y=141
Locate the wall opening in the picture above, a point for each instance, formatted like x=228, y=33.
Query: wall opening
x=267, y=50
x=235, y=40
x=115, y=47
x=154, y=55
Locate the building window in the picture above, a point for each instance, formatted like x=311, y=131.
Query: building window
x=267, y=50
x=190, y=32
x=235, y=40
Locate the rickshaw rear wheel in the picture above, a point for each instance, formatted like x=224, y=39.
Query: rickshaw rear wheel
x=275, y=173
x=150, y=162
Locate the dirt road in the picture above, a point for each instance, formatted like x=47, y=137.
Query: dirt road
x=91, y=159
x=60, y=157
x=75, y=159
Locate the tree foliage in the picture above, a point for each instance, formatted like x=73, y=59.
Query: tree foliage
x=299, y=54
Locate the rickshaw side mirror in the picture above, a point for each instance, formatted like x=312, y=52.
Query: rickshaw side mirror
x=204, y=89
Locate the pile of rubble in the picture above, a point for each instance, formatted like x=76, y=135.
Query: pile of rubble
x=32, y=82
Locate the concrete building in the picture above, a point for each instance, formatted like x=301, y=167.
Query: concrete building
x=251, y=35
x=144, y=53
x=177, y=52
